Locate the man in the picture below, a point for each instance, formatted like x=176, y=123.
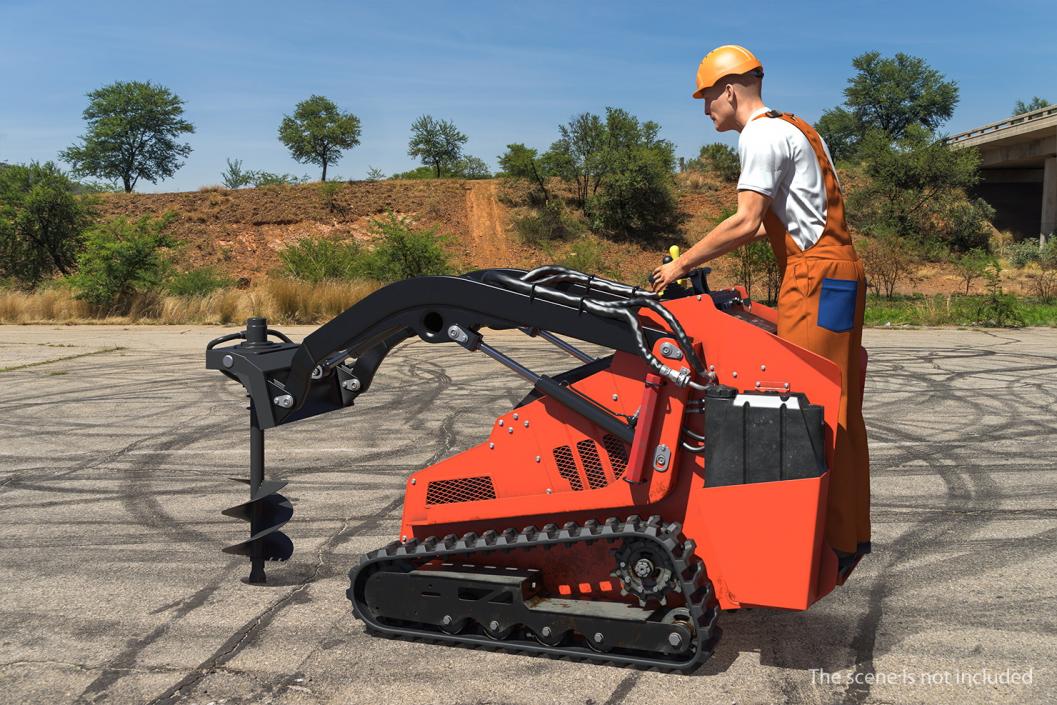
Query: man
x=788, y=191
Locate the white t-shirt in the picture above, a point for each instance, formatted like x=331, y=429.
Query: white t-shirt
x=778, y=161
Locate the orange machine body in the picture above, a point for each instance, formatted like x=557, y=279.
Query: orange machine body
x=762, y=543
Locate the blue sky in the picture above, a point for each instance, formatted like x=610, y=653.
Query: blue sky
x=502, y=71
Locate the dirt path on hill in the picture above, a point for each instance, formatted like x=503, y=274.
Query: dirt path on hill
x=489, y=242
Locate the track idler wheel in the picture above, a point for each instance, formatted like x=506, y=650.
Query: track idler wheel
x=644, y=572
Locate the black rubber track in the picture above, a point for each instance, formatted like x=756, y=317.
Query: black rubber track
x=689, y=569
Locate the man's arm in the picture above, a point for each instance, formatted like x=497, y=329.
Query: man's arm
x=741, y=228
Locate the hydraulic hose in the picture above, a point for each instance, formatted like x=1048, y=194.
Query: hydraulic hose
x=640, y=297
x=618, y=310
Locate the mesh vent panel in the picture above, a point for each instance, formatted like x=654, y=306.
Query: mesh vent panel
x=463, y=489
x=596, y=476
x=618, y=454
x=563, y=456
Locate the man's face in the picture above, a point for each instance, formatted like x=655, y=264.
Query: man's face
x=719, y=105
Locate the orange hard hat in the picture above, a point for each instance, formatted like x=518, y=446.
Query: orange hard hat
x=727, y=60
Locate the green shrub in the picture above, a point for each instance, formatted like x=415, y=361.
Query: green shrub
x=1021, y=254
x=1048, y=254
x=318, y=259
x=120, y=259
x=720, y=159
x=997, y=309
x=196, y=282
x=328, y=194
x=587, y=255
x=403, y=252
x=549, y=223
x=971, y=266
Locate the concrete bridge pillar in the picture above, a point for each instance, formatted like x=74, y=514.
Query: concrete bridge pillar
x=1049, y=197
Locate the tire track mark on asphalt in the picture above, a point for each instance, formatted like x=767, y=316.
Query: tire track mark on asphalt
x=249, y=632
x=977, y=490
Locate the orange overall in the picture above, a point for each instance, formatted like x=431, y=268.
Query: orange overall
x=820, y=308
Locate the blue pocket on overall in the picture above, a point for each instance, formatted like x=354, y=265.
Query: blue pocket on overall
x=836, y=305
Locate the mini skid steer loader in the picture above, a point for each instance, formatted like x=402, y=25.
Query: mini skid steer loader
x=613, y=512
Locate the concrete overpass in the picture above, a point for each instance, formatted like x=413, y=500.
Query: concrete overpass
x=1019, y=170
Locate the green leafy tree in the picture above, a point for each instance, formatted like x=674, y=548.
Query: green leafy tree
x=580, y=154
x=722, y=160
x=375, y=174
x=916, y=189
x=521, y=162
x=841, y=131
x=887, y=94
x=318, y=131
x=1036, y=103
x=892, y=94
x=472, y=168
x=234, y=176
x=120, y=259
x=623, y=173
x=133, y=133
x=437, y=143
x=41, y=220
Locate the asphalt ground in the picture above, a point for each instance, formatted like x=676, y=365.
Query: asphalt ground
x=116, y=446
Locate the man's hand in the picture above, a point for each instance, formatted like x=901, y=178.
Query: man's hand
x=668, y=273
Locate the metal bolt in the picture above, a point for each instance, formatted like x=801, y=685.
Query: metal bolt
x=615, y=397
x=757, y=384
x=763, y=368
x=458, y=334
x=500, y=422
x=549, y=490
x=515, y=417
x=403, y=539
x=734, y=374
x=675, y=638
x=228, y=361
x=786, y=385
x=352, y=385
x=491, y=446
x=285, y=401
x=526, y=423
x=414, y=481
x=599, y=637
x=546, y=631
x=510, y=429
x=711, y=368
x=493, y=625
x=537, y=458
x=446, y=619
x=699, y=297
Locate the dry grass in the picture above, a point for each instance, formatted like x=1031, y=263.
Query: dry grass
x=280, y=300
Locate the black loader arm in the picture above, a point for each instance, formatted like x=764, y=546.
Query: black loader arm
x=288, y=382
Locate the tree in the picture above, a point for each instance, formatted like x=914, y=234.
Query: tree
x=521, y=162
x=133, y=131
x=722, y=160
x=438, y=143
x=887, y=94
x=577, y=156
x=234, y=176
x=471, y=168
x=41, y=220
x=1035, y=103
x=970, y=266
x=916, y=189
x=893, y=94
x=619, y=167
x=318, y=131
x=842, y=133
